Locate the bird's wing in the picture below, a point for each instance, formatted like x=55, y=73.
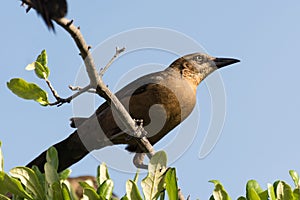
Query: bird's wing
x=135, y=88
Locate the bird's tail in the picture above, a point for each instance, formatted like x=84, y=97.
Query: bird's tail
x=89, y=136
x=70, y=151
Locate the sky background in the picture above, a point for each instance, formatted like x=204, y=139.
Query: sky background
x=260, y=138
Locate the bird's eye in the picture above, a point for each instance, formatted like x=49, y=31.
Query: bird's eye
x=198, y=58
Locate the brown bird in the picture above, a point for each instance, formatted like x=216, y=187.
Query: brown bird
x=162, y=100
x=48, y=9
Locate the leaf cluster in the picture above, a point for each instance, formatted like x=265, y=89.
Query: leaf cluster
x=279, y=190
x=25, y=183
x=31, y=91
x=160, y=183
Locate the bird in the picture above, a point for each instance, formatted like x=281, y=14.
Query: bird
x=48, y=9
x=161, y=100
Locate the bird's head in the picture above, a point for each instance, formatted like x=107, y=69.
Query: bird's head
x=197, y=66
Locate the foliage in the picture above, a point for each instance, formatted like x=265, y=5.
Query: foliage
x=32, y=91
x=154, y=185
x=279, y=190
x=25, y=183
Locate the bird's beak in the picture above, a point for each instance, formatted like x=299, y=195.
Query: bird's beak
x=222, y=62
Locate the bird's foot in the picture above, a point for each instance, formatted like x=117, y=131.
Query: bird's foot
x=139, y=122
x=140, y=132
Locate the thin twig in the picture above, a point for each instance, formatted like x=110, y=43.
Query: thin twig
x=117, y=53
x=77, y=88
x=60, y=101
x=85, y=89
x=54, y=92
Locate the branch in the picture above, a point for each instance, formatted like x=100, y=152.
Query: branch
x=118, y=51
x=83, y=48
x=54, y=92
x=60, y=101
x=85, y=89
x=77, y=88
x=97, y=83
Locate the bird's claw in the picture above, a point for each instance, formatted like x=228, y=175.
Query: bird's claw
x=140, y=132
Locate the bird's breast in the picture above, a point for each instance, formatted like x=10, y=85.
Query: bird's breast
x=162, y=105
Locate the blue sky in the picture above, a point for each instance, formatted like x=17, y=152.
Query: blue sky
x=260, y=137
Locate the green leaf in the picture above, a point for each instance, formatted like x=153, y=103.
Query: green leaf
x=171, y=183
x=158, y=162
x=252, y=194
x=106, y=188
x=275, y=184
x=296, y=193
x=52, y=157
x=219, y=192
x=64, y=174
x=156, y=170
x=102, y=173
x=242, y=198
x=284, y=191
x=29, y=91
x=89, y=191
x=3, y=197
x=52, y=179
x=132, y=191
x=253, y=190
x=1, y=159
x=42, y=58
x=40, y=66
x=40, y=176
x=50, y=174
x=271, y=192
x=30, y=180
x=295, y=178
x=85, y=185
x=264, y=195
x=253, y=184
x=9, y=184
x=65, y=192
x=57, y=191
x=91, y=194
x=41, y=71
